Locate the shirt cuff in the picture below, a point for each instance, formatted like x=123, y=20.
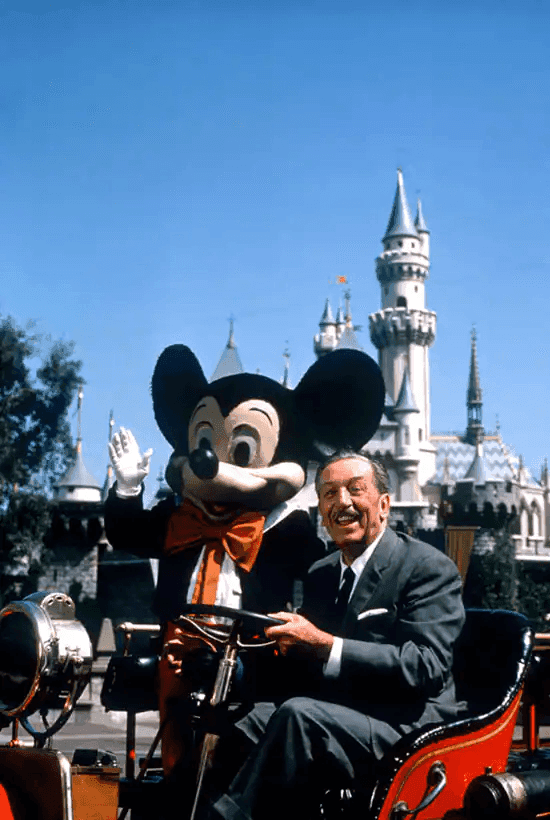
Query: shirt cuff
x=128, y=492
x=331, y=668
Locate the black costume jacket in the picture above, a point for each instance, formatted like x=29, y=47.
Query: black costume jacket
x=289, y=547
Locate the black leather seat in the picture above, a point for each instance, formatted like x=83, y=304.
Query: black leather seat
x=491, y=661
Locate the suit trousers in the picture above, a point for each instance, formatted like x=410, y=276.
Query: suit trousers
x=309, y=746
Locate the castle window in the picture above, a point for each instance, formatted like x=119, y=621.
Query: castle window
x=416, y=288
x=401, y=301
x=420, y=434
x=406, y=436
x=534, y=520
x=400, y=243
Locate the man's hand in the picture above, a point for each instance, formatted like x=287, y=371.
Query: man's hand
x=182, y=648
x=298, y=632
x=129, y=465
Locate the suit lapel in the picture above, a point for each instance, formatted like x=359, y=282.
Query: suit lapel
x=320, y=605
x=371, y=577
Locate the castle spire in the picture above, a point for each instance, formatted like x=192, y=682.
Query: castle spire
x=327, y=338
x=286, y=374
x=403, y=329
x=327, y=318
x=348, y=338
x=79, y=418
x=400, y=222
x=230, y=362
x=405, y=401
x=78, y=484
x=420, y=222
x=109, y=478
x=474, y=402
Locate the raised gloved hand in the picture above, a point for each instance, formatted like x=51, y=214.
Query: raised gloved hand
x=129, y=464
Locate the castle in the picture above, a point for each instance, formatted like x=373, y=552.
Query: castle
x=435, y=478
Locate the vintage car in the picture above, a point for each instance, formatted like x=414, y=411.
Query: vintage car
x=471, y=768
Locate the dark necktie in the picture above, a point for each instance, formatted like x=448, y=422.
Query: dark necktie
x=343, y=595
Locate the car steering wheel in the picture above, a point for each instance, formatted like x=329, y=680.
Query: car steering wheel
x=244, y=622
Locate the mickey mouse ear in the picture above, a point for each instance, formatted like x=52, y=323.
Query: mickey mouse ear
x=341, y=397
x=177, y=384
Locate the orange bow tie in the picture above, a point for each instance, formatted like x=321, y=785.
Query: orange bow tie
x=240, y=538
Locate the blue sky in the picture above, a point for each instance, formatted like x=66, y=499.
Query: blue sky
x=167, y=164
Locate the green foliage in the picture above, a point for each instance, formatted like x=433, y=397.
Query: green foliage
x=491, y=581
x=496, y=580
x=24, y=523
x=38, y=382
x=35, y=443
x=534, y=593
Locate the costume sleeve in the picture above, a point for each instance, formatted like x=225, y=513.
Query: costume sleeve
x=414, y=657
x=131, y=528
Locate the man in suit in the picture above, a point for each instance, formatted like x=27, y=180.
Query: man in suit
x=371, y=654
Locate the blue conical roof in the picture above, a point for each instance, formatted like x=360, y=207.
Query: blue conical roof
x=327, y=318
x=78, y=475
x=348, y=340
x=405, y=401
x=420, y=222
x=230, y=361
x=479, y=471
x=400, y=222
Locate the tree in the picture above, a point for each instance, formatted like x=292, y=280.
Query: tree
x=491, y=581
x=38, y=382
x=35, y=441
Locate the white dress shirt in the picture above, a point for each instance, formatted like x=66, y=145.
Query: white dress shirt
x=332, y=666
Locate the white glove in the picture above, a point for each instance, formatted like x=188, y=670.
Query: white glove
x=129, y=465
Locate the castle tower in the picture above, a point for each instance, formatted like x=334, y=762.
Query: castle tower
x=327, y=338
x=78, y=486
x=403, y=330
x=76, y=535
x=338, y=333
x=407, y=458
x=474, y=402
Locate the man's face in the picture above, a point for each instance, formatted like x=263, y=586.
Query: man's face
x=352, y=509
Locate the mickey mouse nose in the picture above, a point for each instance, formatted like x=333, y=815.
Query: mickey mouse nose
x=204, y=463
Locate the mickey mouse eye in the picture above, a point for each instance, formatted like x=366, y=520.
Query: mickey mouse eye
x=203, y=438
x=244, y=447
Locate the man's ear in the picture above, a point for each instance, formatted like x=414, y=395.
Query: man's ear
x=384, y=506
x=340, y=401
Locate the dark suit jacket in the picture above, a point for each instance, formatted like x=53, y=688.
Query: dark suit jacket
x=288, y=550
x=397, y=665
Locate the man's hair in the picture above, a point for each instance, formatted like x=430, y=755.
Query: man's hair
x=380, y=474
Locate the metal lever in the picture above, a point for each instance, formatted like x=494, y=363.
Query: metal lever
x=436, y=781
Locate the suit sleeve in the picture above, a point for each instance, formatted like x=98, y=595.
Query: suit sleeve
x=414, y=658
x=131, y=528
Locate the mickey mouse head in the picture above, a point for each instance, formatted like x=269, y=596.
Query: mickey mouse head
x=246, y=438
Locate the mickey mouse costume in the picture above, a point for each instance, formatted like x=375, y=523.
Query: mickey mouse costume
x=241, y=449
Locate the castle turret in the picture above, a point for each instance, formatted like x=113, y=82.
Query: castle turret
x=327, y=338
x=78, y=485
x=230, y=361
x=403, y=330
x=474, y=400
x=407, y=457
x=285, y=381
x=347, y=337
